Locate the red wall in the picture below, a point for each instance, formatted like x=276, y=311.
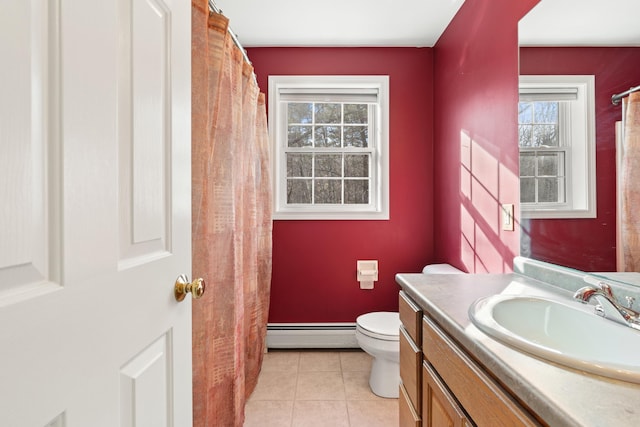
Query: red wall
x=476, y=152
x=468, y=141
x=585, y=244
x=314, y=262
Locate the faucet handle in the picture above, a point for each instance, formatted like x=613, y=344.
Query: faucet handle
x=606, y=288
x=630, y=301
x=598, y=283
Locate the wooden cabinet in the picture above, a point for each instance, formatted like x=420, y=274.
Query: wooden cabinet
x=410, y=317
x=440, y=408
x=410, y=402
x=442, y=386
x=474, y=397
x=410, y=364
x=408, y=414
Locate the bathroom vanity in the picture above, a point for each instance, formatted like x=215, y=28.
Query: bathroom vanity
x=452, y=374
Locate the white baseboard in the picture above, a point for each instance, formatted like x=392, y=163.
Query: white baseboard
x=311, y=335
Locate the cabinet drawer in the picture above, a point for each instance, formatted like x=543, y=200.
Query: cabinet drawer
x=408, y=415
x=410, y=363
x=486, y=402
x=410, y=316
x=439, y=407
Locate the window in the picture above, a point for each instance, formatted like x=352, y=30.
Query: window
x=556, y=133
x=329, y=136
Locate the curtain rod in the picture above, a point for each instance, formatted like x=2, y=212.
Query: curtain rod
x=615, y=99
x=214, y=8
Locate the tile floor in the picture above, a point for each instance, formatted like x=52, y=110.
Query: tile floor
x=317, y=388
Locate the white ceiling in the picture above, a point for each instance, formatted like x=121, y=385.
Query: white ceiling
x=582, y=23
x=338, y=22
x=421, y=22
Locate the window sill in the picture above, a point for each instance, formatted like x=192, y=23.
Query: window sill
x=558, y=214
x=321, y=216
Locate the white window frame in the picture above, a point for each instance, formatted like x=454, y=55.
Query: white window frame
x=378, y=207
x=578, y=144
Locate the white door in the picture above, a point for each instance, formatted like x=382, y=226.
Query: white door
x=95, y=206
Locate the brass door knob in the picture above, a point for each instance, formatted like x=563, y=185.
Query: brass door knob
x=183, y=287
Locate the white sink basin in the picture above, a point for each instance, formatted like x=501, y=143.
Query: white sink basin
x=566, y=333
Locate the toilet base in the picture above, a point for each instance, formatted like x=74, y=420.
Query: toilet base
x=385, y=378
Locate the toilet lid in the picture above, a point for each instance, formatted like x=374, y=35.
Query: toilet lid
x=382, y=324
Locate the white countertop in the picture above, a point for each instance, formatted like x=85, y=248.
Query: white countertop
x=559, y=395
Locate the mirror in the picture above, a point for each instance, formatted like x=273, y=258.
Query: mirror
x=570, y=38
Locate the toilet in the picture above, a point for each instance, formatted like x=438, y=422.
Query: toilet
x=378, y=334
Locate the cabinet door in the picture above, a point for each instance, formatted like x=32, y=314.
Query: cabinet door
x=439, y=408
x=408, y=415
x=411, y=317
x=410, y=368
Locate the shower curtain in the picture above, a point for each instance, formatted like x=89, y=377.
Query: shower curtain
x=231, y=214
x=629, y=191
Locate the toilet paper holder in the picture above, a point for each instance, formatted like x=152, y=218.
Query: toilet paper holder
x=367, y=270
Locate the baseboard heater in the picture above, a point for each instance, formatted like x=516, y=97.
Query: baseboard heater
x=311, y=335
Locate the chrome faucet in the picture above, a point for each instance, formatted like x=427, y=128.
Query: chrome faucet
x=608, y=306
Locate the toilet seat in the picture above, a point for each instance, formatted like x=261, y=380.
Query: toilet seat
x=380, y=325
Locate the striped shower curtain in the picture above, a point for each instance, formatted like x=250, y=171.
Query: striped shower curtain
x=231, y=214
x=629, y=187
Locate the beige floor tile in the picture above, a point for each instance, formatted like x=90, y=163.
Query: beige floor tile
x=274, y=386
x=320, y=413
x=319, y=361
x=268, y=413
x=281, y=361
x=356, y=386
x=355, y=361
x=320, y=386
x=373, y=413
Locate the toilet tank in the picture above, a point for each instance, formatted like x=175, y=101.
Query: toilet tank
x=441, y=269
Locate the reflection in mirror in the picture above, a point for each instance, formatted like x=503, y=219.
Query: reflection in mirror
x=619, y=278
x=557, y=147
x=612, y=56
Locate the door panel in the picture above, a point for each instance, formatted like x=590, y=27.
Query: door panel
x=95, y=208
x=144, y=106
x=29, y=169
x=144, y=386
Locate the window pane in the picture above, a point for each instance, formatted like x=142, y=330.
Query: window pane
x=356, y=165
x=525, y=135
x=525, y=112
x=548, y=164
x=299, y=191
x=328, y=136
x=527, y=190
x=329, y=165
x=356, y=136
x=356, y=191
x=328, y=191
x=545, y=112
x=527, y=164
x=299, y=113
x=356, y=113
x=328, y=113
x=538, y=124
x=545, y=135
x=299, y=136
x=299, y=165
x=548, y=190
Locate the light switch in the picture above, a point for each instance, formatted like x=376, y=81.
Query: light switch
x=507, y=216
